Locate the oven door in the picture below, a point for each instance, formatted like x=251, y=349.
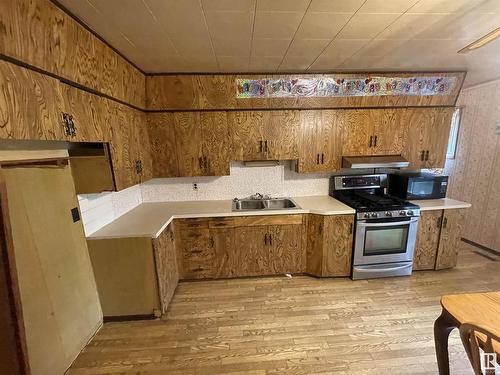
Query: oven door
x=385, y=240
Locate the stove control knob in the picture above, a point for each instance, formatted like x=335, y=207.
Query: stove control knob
x=388, y=213
x=402, y=213
x=374, y=214
x=409, y=213
x=366, y=216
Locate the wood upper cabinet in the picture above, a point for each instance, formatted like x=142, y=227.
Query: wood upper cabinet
x=90, y=115
x=203, y=143
x=30, y=104
x=426, y=246
x=329, y=248
x=320, y=144
x=373, y=132
x=438, y=239
x=265, y=135
x=162, y=143
x=428, y=133
x=451, y=231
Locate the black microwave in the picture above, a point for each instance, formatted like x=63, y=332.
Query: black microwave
x=418, y=185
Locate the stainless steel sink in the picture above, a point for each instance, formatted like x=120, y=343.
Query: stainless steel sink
x=264, y=204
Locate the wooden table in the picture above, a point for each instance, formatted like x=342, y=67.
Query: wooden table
x=477, y=308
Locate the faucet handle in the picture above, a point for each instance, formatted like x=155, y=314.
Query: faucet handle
x=235, y=199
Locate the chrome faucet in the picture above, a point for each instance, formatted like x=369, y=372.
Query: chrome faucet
x=259, y=196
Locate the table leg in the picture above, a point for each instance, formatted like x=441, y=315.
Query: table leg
x=442, y=328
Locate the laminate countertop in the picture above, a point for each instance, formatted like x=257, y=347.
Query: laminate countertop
x=440, y=204
x=150, y=219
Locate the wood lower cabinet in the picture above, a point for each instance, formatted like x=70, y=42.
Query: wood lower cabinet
x=240, y=246
x=438, y=239
x=320, y=143
x=428, y=134
x=329, y=245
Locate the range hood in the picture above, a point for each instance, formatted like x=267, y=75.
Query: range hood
x=393, y=161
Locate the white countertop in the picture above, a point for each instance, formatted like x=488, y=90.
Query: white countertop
x=150, y=219
x=440, y=204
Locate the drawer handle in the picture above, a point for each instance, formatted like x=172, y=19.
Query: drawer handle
x=322, y=158
x=196, y=251
x=371, y=141
x=317, y=158
x=199, y=269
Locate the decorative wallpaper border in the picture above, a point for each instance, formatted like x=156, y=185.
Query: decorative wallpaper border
x=344, y=87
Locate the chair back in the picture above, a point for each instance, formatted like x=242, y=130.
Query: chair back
x=475, y=337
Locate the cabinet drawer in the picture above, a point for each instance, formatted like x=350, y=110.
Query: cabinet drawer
x=221, y=222
x=191, y=223
x=249, y=221
x=198, y=269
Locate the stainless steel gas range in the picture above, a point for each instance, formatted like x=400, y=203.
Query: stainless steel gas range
x=386, y=226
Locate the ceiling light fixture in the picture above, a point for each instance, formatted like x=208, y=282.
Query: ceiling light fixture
x=481, y=41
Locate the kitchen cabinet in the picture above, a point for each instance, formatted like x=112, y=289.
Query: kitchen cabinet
x=320, y=147
x=30, y=105
x=428, y=134
x=161, y=133
x=240, y=246
x=203, y=143
x=329, y=248
x=438, y=239
x=264, y=135
x=373, y=131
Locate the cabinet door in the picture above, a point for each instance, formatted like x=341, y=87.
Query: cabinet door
x=247, y=134
x=217, y=145
x=356, y=132
x=162, y=142
x=315, y=245
x=390, y=131
x=90, y=114
x=337, y=245
x=429, y=228
x=30, y=105
x=227, y=256
x=281, y=135
x=285, y=253
x=252, y=243
x=166, y=266
x=188, y=137
x=449, y=243
x=141, y=136
x=320, y=145
x=428, y=133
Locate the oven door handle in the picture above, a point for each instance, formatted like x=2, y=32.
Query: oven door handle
x=388, y=224
x=366, y=270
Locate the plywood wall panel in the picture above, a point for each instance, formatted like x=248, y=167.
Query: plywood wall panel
x=212, y=91
x=38, y=33
x=475, y=171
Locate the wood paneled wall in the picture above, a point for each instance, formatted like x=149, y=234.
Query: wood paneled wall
x=475, y=171
x=40, y=34
x=212, y=91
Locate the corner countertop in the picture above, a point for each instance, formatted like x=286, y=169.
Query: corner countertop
x=150, y=219
x=440, y=204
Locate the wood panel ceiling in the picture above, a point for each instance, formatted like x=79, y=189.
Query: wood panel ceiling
x=297, y=35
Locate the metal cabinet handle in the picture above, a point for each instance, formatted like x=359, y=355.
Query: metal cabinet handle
x=261, y=145
x=427, y=155
x=200, y=162
x=445, y=222
x=265, y=145
x=371, y=141
x=439, y=222
x=351, y=227
x=322, y=158
x=375, y=142
x=212, y=242
x=199, y=269
x=205, y=163
x=422, y=155
x=196, y=251
x=317, y=158
x=265, y=239
x=271, y=239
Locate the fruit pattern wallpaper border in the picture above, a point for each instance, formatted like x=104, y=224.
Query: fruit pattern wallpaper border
x=342, y=87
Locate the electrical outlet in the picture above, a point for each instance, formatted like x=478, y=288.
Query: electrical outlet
x=195, y=186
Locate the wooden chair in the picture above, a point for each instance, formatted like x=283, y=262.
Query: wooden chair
x=475, y=337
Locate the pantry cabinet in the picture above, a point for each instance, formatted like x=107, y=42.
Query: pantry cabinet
x=438, y=239
x=329, y=245
x=373, y=131
x=428, y=134
x=264, y=135
x=319, y=143
x=203, y=143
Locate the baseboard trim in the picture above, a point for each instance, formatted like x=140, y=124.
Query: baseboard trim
x=127, y=318
x=482, y=247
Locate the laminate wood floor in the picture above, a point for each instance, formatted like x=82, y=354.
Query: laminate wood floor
x=302, y=325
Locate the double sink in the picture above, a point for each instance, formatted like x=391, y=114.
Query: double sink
x=251, y=204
